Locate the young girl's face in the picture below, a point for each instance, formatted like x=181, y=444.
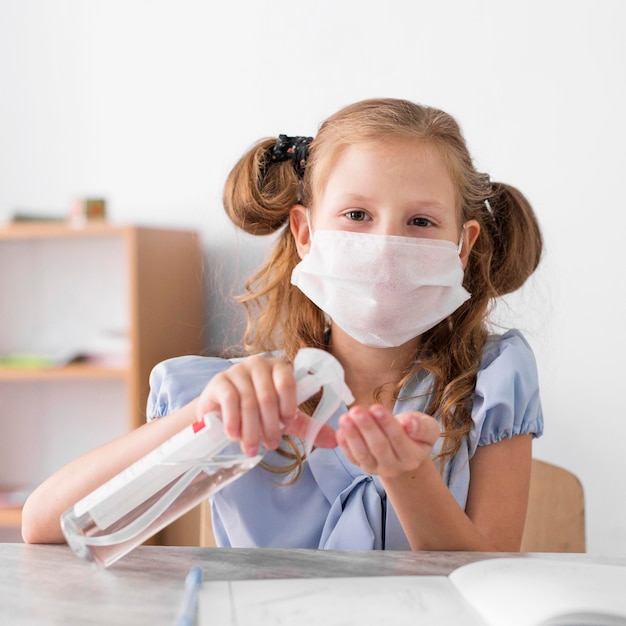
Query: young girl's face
x=402, y=188
x=386, y=293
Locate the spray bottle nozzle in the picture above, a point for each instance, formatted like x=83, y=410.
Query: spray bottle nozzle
x=314, y=370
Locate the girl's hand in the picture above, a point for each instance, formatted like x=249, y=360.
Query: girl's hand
x=257, y=402
x=383, y=444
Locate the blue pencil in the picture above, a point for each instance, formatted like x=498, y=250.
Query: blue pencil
x=189, y=605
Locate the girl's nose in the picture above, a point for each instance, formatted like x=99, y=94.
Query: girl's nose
x=390, y=227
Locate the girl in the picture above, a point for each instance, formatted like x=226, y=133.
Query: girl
x=392, y=248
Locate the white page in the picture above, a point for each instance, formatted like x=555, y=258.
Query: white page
x=536, y=591
x=366, y=601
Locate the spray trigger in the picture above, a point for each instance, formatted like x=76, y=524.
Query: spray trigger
x=314, y=370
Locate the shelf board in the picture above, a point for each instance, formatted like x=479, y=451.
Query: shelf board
x=75, y=371
x=47, y=230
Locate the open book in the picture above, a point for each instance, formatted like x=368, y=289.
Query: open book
x=494, y=592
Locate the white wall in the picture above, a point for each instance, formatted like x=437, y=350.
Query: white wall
x=149, y=102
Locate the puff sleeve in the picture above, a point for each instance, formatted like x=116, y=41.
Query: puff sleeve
x=176, y=382
x=506, y=401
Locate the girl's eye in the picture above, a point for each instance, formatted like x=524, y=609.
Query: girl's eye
x=422, y=222
x=356, y=215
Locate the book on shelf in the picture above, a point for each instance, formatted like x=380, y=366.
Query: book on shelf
x=519, y=591
x=14, y=216
x=108, y=349
x=81, y=210
x=36, y=360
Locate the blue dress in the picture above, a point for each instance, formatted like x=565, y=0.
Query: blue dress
x=335, y=505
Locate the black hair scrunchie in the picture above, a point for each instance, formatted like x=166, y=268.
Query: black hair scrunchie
x=294, y=149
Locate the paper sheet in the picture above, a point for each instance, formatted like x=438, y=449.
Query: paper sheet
x=493, y=592
x=367, y=601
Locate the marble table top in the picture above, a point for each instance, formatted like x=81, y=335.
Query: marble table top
x=48, y=584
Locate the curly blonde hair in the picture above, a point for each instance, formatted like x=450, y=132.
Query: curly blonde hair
x=259, y=195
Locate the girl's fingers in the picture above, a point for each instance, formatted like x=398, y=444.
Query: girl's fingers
x=359, y=440
x=241, y=419
x=276, y=394
x=402, y=448
x=284, y=383
x=255, y=398
x=259, y=412
x=420, y=427
x=299, y=427
x=222, y=395
x=379, y=442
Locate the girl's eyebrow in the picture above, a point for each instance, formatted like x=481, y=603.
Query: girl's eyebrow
x=432, y=205
x=353, y=197
x=417, y=205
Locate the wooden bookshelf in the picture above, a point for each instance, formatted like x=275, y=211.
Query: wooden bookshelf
x=61, y=284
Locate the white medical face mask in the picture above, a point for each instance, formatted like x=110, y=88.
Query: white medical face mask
x=382, y=290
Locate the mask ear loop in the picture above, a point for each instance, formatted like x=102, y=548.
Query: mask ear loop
x=308, y=221
x=460, y=246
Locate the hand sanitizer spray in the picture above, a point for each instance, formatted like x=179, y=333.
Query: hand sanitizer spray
x=169, y=481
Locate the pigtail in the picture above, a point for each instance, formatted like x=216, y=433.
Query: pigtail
x=260, y=192
x=516, y=238
x=506, y=253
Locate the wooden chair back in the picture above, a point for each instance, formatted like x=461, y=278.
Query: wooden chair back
x=555, y=521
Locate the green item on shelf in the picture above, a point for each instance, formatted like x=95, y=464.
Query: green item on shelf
x=24, y=360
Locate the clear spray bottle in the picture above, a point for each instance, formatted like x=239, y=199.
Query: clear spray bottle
x=183, y=471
